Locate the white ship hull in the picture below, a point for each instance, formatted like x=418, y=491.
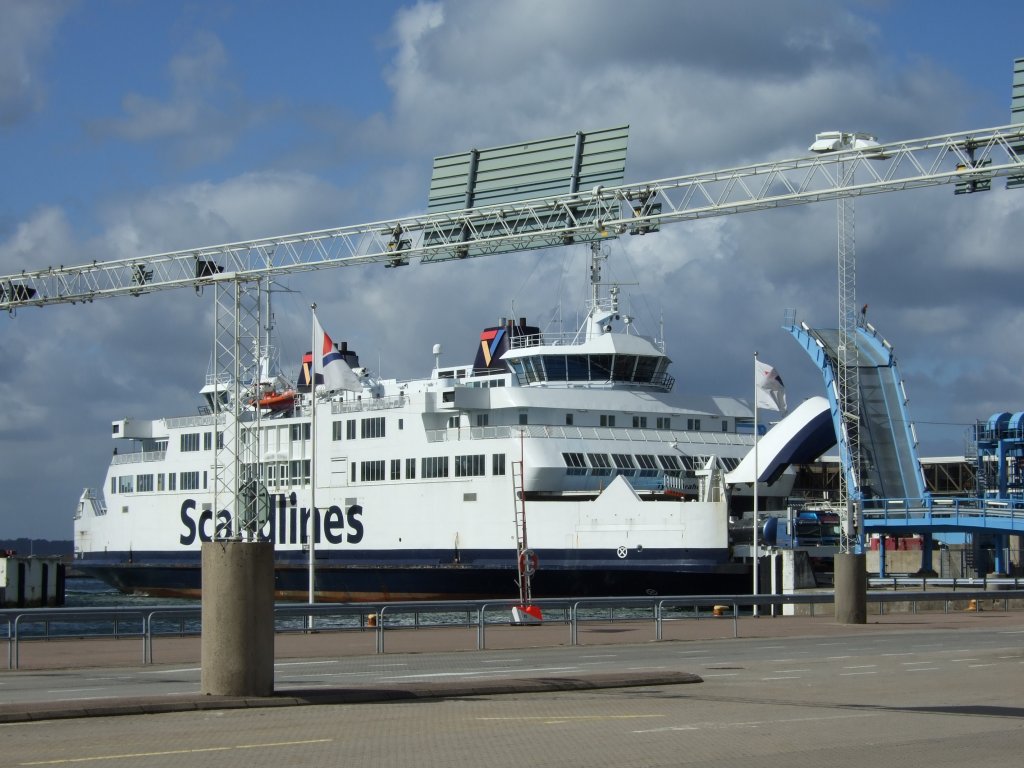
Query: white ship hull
x=418, y=485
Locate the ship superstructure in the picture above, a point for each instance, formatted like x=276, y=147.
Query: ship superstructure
x=623, y=478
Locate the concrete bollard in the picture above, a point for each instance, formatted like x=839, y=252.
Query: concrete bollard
x=237, y=645
x=851, y=588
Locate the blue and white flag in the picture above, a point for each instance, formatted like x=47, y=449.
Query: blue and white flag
x=329, y=363
x=768, y=389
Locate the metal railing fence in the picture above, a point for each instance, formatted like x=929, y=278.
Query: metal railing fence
x=149, y=622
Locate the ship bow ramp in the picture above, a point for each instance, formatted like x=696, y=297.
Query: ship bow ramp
x=801, y=437
x=890, y=464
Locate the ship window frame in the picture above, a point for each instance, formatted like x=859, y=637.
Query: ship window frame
x=410, y=469
x=639, y=422
x=601, y=364
x=372, y=427
x=575, y=462
x=555, y=368
x=371, y=471
x=396, y=469
x=663, y=422
x=577, y=367
x=600, y=466
x=470, y=465
x=624, y=464
x=648, y=464
x=432, y=467
x=624, y=367
x=646, y=368
x=670, y=463
x=336, y=430
x=189, y=481
x=189, y=442
x=498, y=464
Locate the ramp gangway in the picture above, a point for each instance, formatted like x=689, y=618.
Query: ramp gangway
x=891, y=467
x=931, y=515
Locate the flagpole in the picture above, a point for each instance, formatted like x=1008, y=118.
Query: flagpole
x=756, y=484
x=312, y=466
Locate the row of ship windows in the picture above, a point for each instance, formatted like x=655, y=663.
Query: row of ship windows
x=625, y=463
x=298, y=473
x=171, y=481
x=375, y=427
x=189, y=441
x=470, y=465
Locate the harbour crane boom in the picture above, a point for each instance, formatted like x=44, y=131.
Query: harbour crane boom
x=969, y=158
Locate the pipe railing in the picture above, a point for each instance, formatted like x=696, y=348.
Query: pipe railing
x=148, y=622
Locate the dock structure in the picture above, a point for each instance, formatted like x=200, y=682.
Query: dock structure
x=32, y=581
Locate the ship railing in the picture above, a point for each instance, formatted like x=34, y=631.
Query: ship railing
x=138, y=456
x=368, y=404
x=487, y=617
x=568, y=432
x=185, y=422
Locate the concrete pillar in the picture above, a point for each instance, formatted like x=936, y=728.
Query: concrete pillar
x=927, y=547
x=238, y=618
x=851, y=588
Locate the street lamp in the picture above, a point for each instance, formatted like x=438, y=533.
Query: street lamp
x=850, y=596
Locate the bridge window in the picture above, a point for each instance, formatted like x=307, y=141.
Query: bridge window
x=554, y=367
x=577, y=368
x=625, y=366
x=646, y=367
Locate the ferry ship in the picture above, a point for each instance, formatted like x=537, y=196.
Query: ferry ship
x=421, y=483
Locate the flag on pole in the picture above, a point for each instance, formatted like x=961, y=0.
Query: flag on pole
x=768, y=388
x=329, y=363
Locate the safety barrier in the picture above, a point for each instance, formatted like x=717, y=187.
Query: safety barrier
x=147, y=622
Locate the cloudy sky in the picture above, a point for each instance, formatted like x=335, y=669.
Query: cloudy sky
x=130, y=127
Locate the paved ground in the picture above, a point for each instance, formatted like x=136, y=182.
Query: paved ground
x=929, y=691
x=124, y=658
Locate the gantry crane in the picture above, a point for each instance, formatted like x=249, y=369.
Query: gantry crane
x=969, y=159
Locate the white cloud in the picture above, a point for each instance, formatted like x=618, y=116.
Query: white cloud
x=203, y=114
x=26, y=34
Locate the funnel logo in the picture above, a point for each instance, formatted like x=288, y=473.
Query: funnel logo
x=489, y=341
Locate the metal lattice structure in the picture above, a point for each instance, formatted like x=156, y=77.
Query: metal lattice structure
x=636, y=208
x=969, y=158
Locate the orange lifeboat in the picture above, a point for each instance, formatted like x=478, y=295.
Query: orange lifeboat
x=278, y=401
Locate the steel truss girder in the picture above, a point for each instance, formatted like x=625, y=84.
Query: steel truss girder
x=543, y=222
x=238, y=346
